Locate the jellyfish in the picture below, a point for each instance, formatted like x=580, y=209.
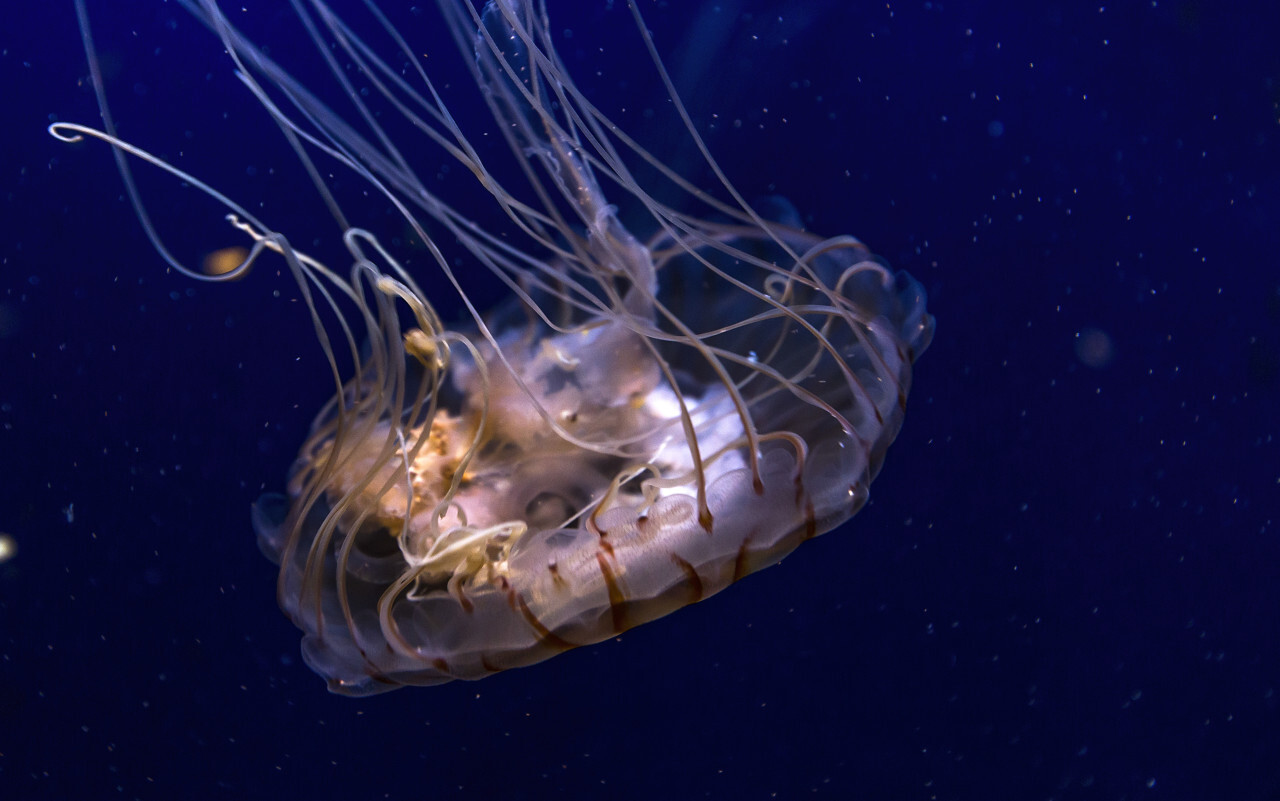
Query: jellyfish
x=673, y=395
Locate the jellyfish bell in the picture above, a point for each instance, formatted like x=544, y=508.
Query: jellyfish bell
x=643, y=422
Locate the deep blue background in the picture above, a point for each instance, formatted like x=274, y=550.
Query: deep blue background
x=1067, y=584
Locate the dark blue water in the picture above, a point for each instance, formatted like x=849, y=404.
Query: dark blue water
x=1067, y=584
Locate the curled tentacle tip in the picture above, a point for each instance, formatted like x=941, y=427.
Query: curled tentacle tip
x=59, y=131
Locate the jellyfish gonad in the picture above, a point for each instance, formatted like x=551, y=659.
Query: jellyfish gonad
x=658, y=409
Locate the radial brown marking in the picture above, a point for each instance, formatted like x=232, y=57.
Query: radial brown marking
x=463, y=600
x=489, y=666
x=337, y=686
x=441, y=665
x=810, y=523
x=556, y=578
x=617, y=601
x=691, y=574
x=545, y=634
x=513, y=600
x=740, y=567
